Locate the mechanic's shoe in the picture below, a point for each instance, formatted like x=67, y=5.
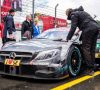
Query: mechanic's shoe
x=89, y=72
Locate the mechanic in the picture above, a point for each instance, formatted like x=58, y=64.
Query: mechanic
x=9, y=27
x=27, y=27
x=90, y=29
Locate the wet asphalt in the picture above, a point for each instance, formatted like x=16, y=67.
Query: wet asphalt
x=14, y=83
x=91, y=84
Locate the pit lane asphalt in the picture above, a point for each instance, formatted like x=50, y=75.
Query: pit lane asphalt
x=14, y=83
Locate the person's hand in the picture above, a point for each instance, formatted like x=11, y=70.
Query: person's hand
x=11, y=36
x=76, y=34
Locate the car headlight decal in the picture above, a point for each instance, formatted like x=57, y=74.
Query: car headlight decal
x=47, y=54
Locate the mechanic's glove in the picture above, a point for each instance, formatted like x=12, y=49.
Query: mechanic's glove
x=76, y=34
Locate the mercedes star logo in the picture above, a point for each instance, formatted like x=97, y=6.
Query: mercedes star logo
x=12, y=55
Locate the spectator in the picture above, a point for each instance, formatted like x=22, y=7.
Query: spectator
x=27, y=27
x=9, y=27
x=36, y=30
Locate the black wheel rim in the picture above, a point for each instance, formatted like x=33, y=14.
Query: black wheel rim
x=75, y=62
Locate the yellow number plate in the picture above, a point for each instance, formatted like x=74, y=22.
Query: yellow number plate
x=97, y=55
x=12, y=62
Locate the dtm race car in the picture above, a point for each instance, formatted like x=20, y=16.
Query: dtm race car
x=48, y=56
x=97, y=54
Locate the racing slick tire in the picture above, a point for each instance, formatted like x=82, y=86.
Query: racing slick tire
x=74, y=61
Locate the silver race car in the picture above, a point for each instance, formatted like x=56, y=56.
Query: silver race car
x=47, y=56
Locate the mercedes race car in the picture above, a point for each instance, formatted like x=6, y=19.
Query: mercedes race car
x=48, y=56
x=97, y=54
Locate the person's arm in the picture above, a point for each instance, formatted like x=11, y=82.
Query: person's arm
x=76, y=33
x=74, y=21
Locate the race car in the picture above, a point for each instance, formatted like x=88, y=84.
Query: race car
x=97, y=54
x=48, y=56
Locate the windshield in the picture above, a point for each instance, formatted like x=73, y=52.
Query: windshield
x=54, y=35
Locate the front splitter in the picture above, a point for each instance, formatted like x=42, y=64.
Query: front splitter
x=34, y=77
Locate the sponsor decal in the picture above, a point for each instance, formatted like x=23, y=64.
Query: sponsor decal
x=12, y=62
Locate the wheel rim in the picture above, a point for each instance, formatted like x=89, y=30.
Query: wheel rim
x=75, y=62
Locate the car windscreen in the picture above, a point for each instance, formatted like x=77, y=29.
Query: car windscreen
x=53, y=35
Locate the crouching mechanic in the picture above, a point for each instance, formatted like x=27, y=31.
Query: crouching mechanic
x=90, y=29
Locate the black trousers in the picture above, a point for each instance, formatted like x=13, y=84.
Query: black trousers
x=89, y=39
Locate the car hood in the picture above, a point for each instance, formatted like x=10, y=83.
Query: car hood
x=33, y=45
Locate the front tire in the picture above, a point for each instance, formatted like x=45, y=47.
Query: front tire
x=74, y=61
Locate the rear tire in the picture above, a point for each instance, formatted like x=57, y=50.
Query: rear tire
x=74, y=61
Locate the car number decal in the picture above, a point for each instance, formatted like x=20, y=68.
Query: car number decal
x=12, y=62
